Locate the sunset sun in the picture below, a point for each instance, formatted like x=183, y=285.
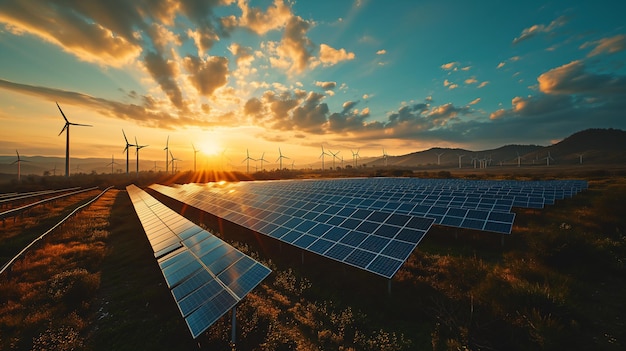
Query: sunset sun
x=209, y=147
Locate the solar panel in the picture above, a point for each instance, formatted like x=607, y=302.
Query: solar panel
x=207, y=276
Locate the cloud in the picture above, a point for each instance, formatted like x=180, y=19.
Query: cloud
x=276, y=16
x=381, y=52
x=294, y=50
x=165, y=72
x=82, y=31
x=482, y=84
x=573, y=78
x=536, y=29
x=500, y=65
x=474, y=102
x=450, y=65
x=450, y=85
x=471, y=80
x=204, y=39
x=610, y=45
x=310, y=116
x=145, y=113
x=330, y=56
x=326, y=85
x=206, y=75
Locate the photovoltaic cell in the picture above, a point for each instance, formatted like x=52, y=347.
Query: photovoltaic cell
x=207, y=277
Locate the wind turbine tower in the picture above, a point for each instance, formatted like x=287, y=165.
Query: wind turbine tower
x=137, y=148
x=334, y=154
x=548, y=158
x=439, y=158
x=385, y=157
x=167, y=150
x=126, y=149
x=355, y=156
x=66, y=128
x=324, y=153
x=580, y=156
x=112, y=163
x=19, y=164
x=172, y=160
x=194, y=156
x=248, y=158
x=280, y=158
x=460, y=157
x=262, y=159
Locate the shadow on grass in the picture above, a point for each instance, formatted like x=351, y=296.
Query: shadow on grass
x=135, y=310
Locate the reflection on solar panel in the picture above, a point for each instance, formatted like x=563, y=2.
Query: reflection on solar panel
x=207, y=277
x=370, y=223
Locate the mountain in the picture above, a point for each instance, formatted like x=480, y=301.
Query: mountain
x=598, y=146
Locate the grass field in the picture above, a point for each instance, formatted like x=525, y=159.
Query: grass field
x=557, y=283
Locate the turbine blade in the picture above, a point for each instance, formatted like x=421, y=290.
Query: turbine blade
x=125, y=137
x=81, y=125
x=64, y=127
x=62, y=114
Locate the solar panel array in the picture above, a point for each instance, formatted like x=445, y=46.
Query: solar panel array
x=206, y=276
x=371, y=239
x=364, y=221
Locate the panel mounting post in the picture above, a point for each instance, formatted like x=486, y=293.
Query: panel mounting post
x=233, y=332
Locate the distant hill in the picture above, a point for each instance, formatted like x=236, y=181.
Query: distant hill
x=597, y=146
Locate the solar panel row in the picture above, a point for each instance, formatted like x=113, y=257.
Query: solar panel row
x=207, y=277
x=370, y=239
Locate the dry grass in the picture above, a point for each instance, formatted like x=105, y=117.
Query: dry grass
x=45, y=302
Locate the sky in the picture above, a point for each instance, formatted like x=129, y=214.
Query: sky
x=231, y=76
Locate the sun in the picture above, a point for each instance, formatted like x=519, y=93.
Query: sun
x=209, y=147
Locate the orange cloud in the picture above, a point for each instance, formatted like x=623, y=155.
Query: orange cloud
x=330, y=56
x=607, y=45
x=276, y=16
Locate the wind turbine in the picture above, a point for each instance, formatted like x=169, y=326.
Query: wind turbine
x=248, y=158
x=167, y=149
x=474, y=159
x=385, y=157
x=194, y=156
x=173, y=159
x=156, y=168
x=66, y=128
x=324, y=153
x=112, y=163
x=334, y=156
x=580, y=158
x=280, y=158
x=137, y=148
x=126, y=149
x=460, y=157
x=519, y=160
x=19, y=162
x=548, y=158
x=355, y=156
x=262, y=159
x=292, y=164
x=439, y=158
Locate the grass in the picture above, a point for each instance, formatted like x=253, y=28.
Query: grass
x=556, y=283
